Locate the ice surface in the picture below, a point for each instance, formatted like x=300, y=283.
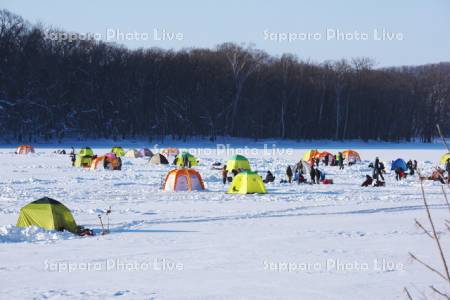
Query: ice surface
x=336, y=241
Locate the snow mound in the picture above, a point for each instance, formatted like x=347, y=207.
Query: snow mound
x=13, y=234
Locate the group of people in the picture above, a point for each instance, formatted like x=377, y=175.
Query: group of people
x=299, y=172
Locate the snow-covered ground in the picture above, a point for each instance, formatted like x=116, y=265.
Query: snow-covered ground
x=336, y=241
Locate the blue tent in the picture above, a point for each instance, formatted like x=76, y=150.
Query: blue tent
x=399, y=163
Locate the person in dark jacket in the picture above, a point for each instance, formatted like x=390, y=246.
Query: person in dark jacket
x=73, y=157
x=368, y=181
x=415, y=165
x=341, y=161
x=447, y=168
x=312, y=174
x=289, y=173
x=269, y=177
x=378, y=168
x=224, y=174
x=326, y=160
x=318, y=174
x=410, y=166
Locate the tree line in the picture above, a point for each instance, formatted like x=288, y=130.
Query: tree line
x=53, y=89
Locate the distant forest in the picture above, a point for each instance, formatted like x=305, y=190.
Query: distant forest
x=89, y=89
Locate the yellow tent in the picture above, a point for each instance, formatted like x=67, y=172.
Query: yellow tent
x=237, y=162
x=310, y=154
x=186, y=155
x=444, y=158
x=48, y=214
x=351, y=155
x=118, y=151
x=247, y=182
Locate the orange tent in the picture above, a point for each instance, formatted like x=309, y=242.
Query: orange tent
x=323, y=154
x=310, y=154
x=183, y=180
x=170, y=152
x=97, y=162
x=24, y=149
x=351, y=155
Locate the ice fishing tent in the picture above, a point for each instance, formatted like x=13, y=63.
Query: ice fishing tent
x=84, y=158
x=158, y=159
x=118, y=151
x=133, y=153
x=185, y=156
x=237, y=162
x=24, y=149
x=310, y=154
x=48, y=214
x=444, y=158
x=351, y=156
x=325, y=154
x=170, y=152
x=247, y=182
x=97, y=162
x=145, y=152
x=108, y=161
x=183, y=180
x=399, y=163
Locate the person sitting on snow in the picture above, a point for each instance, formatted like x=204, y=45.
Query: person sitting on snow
x=368, y=181
x=269, y=177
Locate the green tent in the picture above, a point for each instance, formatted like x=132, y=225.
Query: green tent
x=86, y=152
x=185, y=155
x=237, y=162
x=118, y=151
x=84, y=158
x=48, y=214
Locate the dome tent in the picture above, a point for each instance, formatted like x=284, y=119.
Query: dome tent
x=145, y=152
x=84, y=158
x=118, y=151
x=183, y=180
x=399, y=163
x=247, y=182
x=351, y=155
x=310, y=154
x=47, y=213
x=133, y=153
x=24, y=149
x=237, y=162
x=158, y=159
x=179, y=160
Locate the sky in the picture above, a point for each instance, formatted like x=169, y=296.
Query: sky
x=393, y=33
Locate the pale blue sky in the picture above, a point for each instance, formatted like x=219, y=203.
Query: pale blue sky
x=424, y=25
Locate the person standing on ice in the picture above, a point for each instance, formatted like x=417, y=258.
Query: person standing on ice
x=326, y=160
x=410, y=166
x=73, y=157
x=340, y=159
x=289, y=173
x=378, y=169
x=312, y=174
x=447, y=168
x=399, y=174
x=224, y=174
x=318, y=175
